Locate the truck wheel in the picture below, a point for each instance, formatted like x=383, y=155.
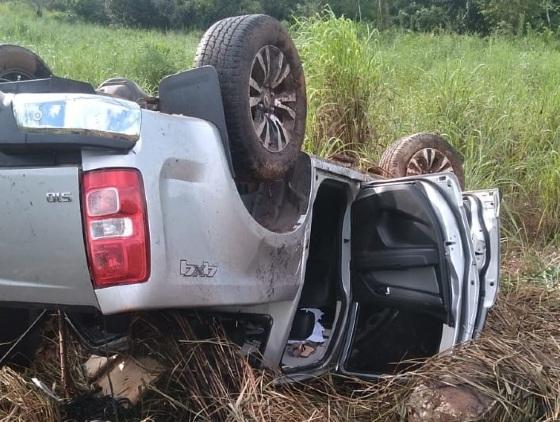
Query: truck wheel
x=20, y=64
x=423, y=153
x=263, y=91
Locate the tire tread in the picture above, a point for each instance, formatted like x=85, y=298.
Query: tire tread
x=224, y=46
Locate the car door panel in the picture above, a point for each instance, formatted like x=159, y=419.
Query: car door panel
x=412, y=258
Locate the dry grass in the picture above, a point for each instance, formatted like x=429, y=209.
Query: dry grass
x=20, y=401
x=517, y=360
x=516, y=364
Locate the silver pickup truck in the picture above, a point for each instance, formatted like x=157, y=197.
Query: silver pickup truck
x=113, y=201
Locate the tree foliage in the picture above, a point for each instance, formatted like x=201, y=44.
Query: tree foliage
x=475, y=16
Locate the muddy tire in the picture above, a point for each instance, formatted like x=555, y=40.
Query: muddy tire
x=423, y=153
x=263, y=90
x=19, y=64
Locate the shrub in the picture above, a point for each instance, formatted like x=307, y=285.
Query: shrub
x=92, y=10
x=137, y=13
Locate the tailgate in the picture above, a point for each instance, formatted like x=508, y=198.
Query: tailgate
x=42, y=252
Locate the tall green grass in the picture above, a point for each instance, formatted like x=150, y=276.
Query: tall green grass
x=344, y=77
x=94, y=53
x=496, y=99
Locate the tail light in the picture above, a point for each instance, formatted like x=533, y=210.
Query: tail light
x=116, y=227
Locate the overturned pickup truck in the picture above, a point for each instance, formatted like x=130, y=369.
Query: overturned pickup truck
x=114, y=202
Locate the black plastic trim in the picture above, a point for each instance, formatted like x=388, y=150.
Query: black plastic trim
x=47, y=86
x=196, y=93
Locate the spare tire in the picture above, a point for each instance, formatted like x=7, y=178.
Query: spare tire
x=263, y=91
x=20, y=64
x=422, y=153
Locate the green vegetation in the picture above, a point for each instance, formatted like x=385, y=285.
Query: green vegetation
x=496, y=99
x=473, y=16
x=94, y=53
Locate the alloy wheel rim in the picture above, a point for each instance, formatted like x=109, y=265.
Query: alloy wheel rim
x=428, y=160
x=272, y=98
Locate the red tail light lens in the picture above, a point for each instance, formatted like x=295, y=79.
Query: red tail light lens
x=116, y=227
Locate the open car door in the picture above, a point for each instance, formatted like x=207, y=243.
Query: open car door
x=415, y=283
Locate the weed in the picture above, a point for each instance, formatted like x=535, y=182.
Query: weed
x=343, y=74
